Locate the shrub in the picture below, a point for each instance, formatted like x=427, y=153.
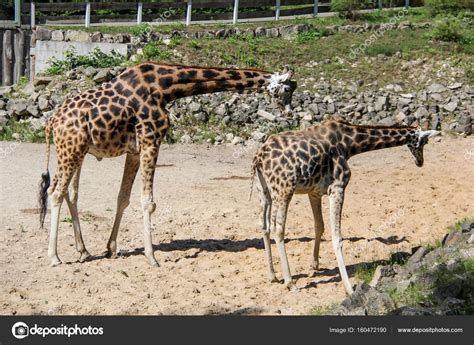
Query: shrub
x=307, y=36
x=153, y=51
x=448, y=6
x=97, y=58
x=447, y=28
x=346, y=8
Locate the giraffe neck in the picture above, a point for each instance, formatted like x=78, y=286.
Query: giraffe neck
x=361, y=139
x=182, y=81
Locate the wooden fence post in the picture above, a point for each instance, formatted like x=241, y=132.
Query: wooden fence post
x=17, y=12
x=316, y=8
x=32, y=15
x=18, y=51
x=87, y=20
x=277, y=10
x=7, y=57
x=139, y=13
x=236, y=12
x=189, y=10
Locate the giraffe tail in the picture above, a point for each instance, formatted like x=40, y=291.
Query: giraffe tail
x=253, y=171
x=45, y=177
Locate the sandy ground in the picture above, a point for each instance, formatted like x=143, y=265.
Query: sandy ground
x=206, y=238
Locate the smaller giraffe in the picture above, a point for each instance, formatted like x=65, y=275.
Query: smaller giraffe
x=314, y=162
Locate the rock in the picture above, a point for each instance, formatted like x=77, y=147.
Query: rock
x=221, y=110
x=266, y=115
x=43, y=34
x=33, y=110
x=259, y=136
x=186, y=139
x=451, y=106
x=42, y=80
x=467, y=227
x=381, y=103
x=57, y=35
x=229, y=137
x=313, y=107
x=237, y=140
x=226, y=120
x=90, y=71
x=452, y=238
x=77, y=36
x=194, y=107
x=417, y=256
x=373, y=301
x=3, y=117
x=455, y=86
x=464, y=125
x=17, y=107
x=304, y=115
x=28, y=89
x=101, y=76
x=421, y=112
x=400, y=117
x=43, y=103
x=436, y=88
x=386, y=122
x=381, y=272
x=201, y=116
x=96, y=37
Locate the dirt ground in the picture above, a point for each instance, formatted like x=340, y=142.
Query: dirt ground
x=206, y=238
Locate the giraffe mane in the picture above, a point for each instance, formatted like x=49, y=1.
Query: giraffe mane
x=344, y=122
x=200, y=67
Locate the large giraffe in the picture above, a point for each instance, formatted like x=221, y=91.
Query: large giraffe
x=127, y=116
x=314, y=162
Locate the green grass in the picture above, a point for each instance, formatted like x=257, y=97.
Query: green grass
x=365, y=272
x=321, y=310
x=413, y=295
x=457, y=225
x=26, y=132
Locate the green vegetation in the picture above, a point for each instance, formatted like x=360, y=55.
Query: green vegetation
x=153, y=51
x=365, y=272
x=412, y=295
x=457, y=225
x=347, y=8
x=448, y=28
x=321, y=310
x=24, y=131
x=446, y=6
x=96, y=58
x=305, y=37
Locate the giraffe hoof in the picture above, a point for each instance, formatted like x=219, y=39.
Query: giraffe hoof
x=274, y=279
x=109, y=254
x=292, y=287
x=84, y=256
x=55, y=262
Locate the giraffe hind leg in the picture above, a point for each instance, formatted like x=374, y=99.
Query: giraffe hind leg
x=65, y=172
x=315, y=200
x=264, y=223
x=132, y=163
x=71, y=200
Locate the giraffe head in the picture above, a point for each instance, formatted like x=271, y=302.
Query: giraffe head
x=416, y=143
x=281, y=88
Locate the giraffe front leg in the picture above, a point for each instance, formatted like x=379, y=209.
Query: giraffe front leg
x=71, y=200
x=336, y=201
x=148, y=157
x=315, y=200
x=132, y=163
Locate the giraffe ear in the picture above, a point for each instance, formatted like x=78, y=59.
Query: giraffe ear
x=287, y=72
x=429, y=134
